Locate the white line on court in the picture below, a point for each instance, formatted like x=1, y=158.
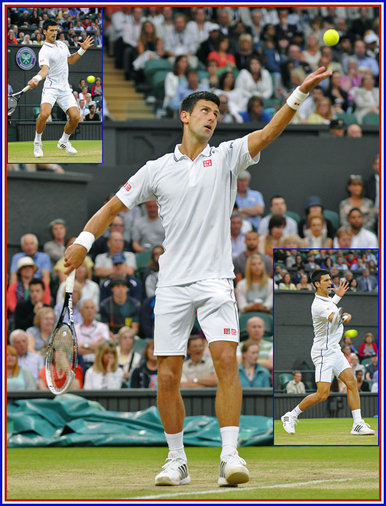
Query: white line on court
x=222, y=490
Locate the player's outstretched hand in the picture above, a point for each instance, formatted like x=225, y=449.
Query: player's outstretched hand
x=87, y=43
x=74, y=257
x=314, y=79
x=342, y=288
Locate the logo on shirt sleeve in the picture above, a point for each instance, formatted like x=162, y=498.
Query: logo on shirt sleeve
x=127, y=186
x=207, y=163
x=230, y=331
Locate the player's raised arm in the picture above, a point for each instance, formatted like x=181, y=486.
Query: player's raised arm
x=42, y=74
x=76, y=253
x=83, y=48
x=260, y=139
x=342, y=288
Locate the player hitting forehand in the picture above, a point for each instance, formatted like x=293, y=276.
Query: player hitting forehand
x=195, y=187
x=327, y=355
x=54, y=58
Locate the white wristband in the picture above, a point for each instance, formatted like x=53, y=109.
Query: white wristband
x=296, y=99
x=81, y=51
x=336, y=299
x=85, y=239
x=38, y=77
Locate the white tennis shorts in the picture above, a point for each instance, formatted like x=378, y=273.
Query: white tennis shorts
x=64, y=98
x=328, y=363
x=175, y=310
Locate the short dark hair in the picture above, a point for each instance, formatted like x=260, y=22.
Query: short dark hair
x=252, y=100
x=316, y=275
x=37, y=281
x=194, y=337
x=49, y=22
x=354, y=209
x=276, y=220
x=276, y=197
x=223, y=77
x=191, y=100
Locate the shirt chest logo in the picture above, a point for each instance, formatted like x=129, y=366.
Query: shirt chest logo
x=207, y=163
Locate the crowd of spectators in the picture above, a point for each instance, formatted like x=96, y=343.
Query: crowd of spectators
x=264, y=52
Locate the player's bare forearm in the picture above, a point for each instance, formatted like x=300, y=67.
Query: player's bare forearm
x=43, y=73
x=84, y=45
x=260, y=139
x=73, y=58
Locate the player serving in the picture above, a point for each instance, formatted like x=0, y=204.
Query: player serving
x=327, y=356
x=195, y=188
x=54, y=58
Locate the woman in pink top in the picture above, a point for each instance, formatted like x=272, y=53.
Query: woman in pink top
x=221, y=55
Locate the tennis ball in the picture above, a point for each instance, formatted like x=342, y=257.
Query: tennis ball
x=91, y=79
x=331, y=37
x=351, y=333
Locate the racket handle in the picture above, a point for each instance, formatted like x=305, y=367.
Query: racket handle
x=25, y=89
x=70, y=282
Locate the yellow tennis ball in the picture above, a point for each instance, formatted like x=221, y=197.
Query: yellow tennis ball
x=331, y=37
x=351, y=333
x=91, y=79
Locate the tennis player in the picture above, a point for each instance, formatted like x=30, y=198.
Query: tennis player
x=327, y=355
x=54, y=58
x=195, y=188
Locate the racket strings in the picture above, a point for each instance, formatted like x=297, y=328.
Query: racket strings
x=62, y=357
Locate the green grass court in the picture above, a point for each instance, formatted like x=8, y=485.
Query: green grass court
x=324, y=431
x=23, y=152
x=128, y=473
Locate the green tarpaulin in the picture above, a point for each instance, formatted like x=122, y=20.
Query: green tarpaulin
x=69, y=420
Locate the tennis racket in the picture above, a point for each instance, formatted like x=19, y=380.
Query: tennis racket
x=62, y=353
x=14, y=99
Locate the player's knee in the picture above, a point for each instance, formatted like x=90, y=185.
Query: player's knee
x=323, y=395
x=44, y=115
x=225, y=363
x=351, y=384
x=75, y=116
x=168, y=379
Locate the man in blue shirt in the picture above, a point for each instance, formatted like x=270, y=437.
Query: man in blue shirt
x=29, y=245
x=184, y=90
x=250, y=202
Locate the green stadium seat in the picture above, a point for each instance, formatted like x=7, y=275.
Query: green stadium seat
x=270, y=102
x=97, y=98
x=333, y=217
x=139, y=345
x=152, y=66
x=268, y=324
x=348, y=118
x=284, y=379
x=158, y=83
x=143, y=259
x=36, y=111
x=293, y=215
x=366, y=361
x=371, y=119
x=202, y=74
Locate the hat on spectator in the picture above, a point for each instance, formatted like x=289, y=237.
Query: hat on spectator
x=118, y=281
x=314, y=200
x=118, y=258
x=213, y=27
x=57, y=221
x=25, y=262
x=339, y=124
x=370, y=38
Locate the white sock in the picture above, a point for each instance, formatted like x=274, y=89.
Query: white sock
x=38, y=137
x=65, y=137
x=229, y=437
x=296, y=411
x=176, y=445
x=356, y=414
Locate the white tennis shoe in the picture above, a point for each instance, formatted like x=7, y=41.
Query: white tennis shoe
x=362, y=429
x=174, y=472
x=289, y=423
x=67, y=146
x=38, y=151
x=233, y=471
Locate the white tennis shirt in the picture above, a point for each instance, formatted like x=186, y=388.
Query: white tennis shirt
x=327, y=335
x=195, y=200
x=55, y=57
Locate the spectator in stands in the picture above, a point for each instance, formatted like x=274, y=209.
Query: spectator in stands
x=366, y=98
x=278, y=206
x=89, y=332
x=355, y=365
x=27, y=40
x=255, y=111
x=362, y=59
x=314, y=205
x=296, y=386
x=148, y=230
x=361, y=237
x=367, y=283
x=209, y=44
x=83, y=93
x=128, y=359
x=134, y=285
x=323, y=112
x=286, y=282
x=199, y=27
x=257, y=26
x=31, y=361
x=363, y=386
x=92, y=115
x=145, y=375
x=83, y=110
x=26, y=310
x=255, y=329
x=222, y=18
x=212, y=81
x=311, y=53
x=272, y=240
x=340, y=263
x=256, y=80
x=368, y=348
x=29, y=245
x=250, y=202
x=337, y=95
x=316, y=232
x=343, y=238
x=117, y=225
x=103, y=261
x=337, y=127
x=151, y=275
x=120, y=310
x=197, y=370
x=180, y=41
x=245, y=51
x=226, y=86
x=125, y=54
x=251, y=373
x=175, y=79
x=18, y=378
x=304, y=285
x=354, y=131
x=240, y=261
x=56, y=247
x=221, y=54
x=76, y=296
x=294, y=61
x=352, y=78
x=149, y=48
x=372, y=368
x=237, y=236
x=225, y=115
x=254, y=293
x=41, y=331
x=283, y=28
x=309, y=105
x=104, y=374
x=11, y=37
x=183, y=90
x=372, y=185
x=19, y=290
x=34, y=17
